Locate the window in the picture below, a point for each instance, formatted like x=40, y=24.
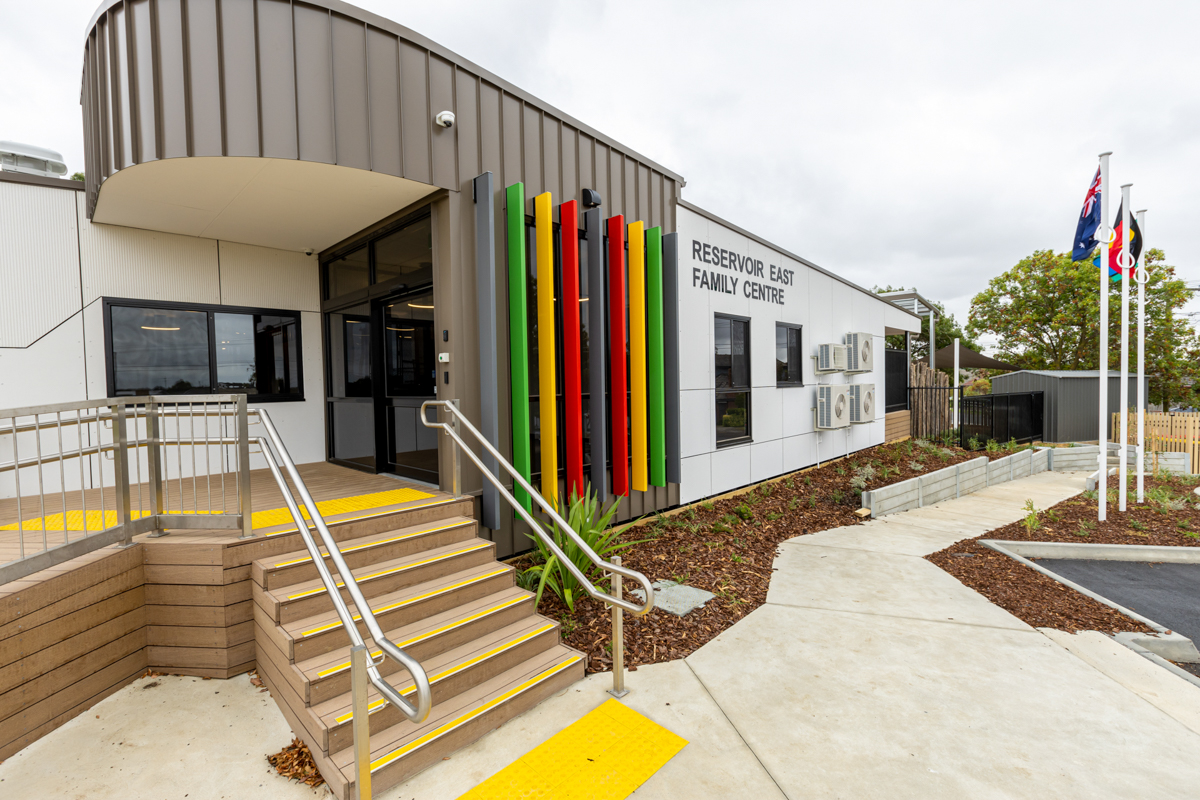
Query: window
x=400, y=255
x=788, y=370
x=176, y=349
x=732, y=354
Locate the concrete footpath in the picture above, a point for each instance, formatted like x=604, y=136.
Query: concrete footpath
x=869, y=673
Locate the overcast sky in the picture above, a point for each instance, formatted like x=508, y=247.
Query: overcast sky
x=922, y=144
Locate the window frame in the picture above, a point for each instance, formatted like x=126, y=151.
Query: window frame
x=368, y=241
x=210, y=310
x=799, y=347
x=747, y=389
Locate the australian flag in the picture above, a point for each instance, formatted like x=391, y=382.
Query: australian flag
x=1089, y=221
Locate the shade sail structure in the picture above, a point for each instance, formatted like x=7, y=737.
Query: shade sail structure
x=969, y=359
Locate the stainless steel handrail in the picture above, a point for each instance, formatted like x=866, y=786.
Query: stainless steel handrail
x=460, y=419
x=424, y=698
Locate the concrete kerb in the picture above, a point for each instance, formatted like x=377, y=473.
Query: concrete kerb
x=1163, y=642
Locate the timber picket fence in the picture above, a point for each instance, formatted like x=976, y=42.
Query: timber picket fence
x=1167, y=432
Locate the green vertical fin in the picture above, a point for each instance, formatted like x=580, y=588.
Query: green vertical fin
x=655, y=367
x=518, y=338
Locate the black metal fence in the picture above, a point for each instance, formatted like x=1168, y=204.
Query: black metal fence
x=999, y=417
x=895, y=363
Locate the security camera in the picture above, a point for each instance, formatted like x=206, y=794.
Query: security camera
x=308, y=251
x=445, y=119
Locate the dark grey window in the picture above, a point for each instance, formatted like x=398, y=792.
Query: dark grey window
x=399, y=256
x=788, y=371
x=732, y=361
x=177, y=349
x=350, y=273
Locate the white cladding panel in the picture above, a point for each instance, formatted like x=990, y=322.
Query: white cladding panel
x=128, y=262
x=39, y=261
x=51, y=370
x=267, y=278
x=714, y=280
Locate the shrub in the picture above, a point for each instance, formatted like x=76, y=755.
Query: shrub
x=992, y=446
x=973, y=443
x=1031, y=522
x=591, y=524
x=744, y=512
x=916, y=466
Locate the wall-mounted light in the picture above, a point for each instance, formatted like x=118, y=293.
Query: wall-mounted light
x=445, y=119
x=589, y=198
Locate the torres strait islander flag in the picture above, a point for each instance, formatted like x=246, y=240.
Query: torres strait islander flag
x=1089, y=221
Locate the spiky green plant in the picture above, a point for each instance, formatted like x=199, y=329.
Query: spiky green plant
x=590, y=522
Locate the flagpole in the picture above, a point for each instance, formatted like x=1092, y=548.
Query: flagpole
x=1141, y=370
x=1124, y=263
x=1106, y=236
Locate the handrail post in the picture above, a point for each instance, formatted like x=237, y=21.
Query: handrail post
x=362, y=722
x=243, y=446
x=121, y=471
x=154, y=463
x=455, y=461
x=618, y=636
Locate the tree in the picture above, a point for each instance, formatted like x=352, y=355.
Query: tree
x=1046, y=313
x=946, y=330
x=78, y=176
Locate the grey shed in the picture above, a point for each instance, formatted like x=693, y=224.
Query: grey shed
x=1072, y=400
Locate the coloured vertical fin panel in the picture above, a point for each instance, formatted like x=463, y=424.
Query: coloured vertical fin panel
x=568, y=226
x=518, y=338
x=655, y=391
x=543, y=224
x=671, y=355
x=638, y=440
x=616, y=354
x=597, y=384
x=485, y=307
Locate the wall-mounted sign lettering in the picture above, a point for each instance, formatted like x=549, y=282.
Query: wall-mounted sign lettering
x=749, y=267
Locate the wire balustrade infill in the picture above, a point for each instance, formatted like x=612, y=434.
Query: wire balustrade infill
x=76, y=477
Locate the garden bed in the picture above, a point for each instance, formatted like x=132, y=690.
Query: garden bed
x=1169, y=517
x=727, y=546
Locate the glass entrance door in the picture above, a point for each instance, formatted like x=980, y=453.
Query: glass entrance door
x=409, y=379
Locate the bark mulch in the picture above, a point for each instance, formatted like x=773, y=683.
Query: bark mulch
x=1171, y=516
x=727, y=546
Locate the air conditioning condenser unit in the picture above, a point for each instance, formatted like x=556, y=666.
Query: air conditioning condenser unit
x=831, y=358
x=833, y=407
x=862, y=402
x=859, y=352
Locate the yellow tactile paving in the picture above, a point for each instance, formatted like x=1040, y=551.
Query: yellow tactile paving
x=268, y=518
x=606, y=755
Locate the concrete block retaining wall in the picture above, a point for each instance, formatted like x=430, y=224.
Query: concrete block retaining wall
x=955, y=481
x=1083, y=458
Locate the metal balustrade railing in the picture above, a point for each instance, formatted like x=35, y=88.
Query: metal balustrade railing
x=75, y=477
x=455, y=422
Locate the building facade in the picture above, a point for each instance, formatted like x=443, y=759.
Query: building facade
x=323, y=209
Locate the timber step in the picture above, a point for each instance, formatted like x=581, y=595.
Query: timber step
x=308, y=598
x=439, y=594
x=297, y=567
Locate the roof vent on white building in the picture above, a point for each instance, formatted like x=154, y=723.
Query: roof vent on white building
x=30, y=160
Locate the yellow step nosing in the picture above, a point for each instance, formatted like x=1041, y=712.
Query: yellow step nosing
x=449, y=727
x=402, y=603
x=312, y=525
x=365, y=545
x=393, y=570
x=509, y=603
x=495, y=651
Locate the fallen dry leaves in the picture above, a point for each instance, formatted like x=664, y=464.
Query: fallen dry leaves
x=295, y=762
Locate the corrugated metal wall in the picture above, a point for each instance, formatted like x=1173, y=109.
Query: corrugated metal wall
x=327, y=82
x=1072, y=404
x=39, y=260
